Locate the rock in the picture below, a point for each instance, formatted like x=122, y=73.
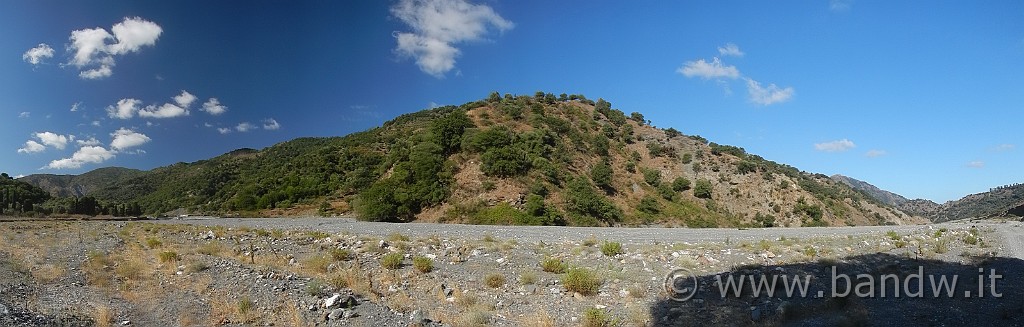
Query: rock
x=577, y=295
x=528, y=289
x=599, y=306
x=209, y=235
x=418, y=317
x=382, y=244
x=331, y=301
x=4, y=310
x=336, y=314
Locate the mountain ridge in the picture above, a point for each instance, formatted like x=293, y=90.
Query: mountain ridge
x=1004, y=201
x=541, y=159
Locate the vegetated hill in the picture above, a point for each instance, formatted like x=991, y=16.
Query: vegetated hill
x=509, y=160
x=18, y=197
x=79, y=185
x=998, y=202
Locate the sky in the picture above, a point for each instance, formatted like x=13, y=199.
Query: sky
x=922, y=98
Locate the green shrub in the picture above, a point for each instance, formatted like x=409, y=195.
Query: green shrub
x=423, y=264
x=341, y=254
x=392, y=260
x=611, y=249
x=666, y=192
x=652, y=177
x=971, y=239
x=680, y=184
x=892, y=235
x=153, y=243
x=649, y=205
x=584, y=201
x=702, y=189
x=553, y=265
x=527, y=278
x=601, y=174
x=245, y=305
x=581, y=280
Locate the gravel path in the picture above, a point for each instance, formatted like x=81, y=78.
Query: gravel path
x=552, y=233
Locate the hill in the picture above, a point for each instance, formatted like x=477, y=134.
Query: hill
x=1001, y=201
x=509, y=160
x=80, y=185
x=18, y=197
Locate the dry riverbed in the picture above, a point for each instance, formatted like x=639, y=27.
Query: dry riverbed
x=329, y=272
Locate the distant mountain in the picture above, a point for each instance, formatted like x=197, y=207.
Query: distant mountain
x=997, y=202
x=80, y=185
x=541, y=159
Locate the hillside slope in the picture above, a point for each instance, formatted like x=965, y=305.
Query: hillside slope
x=997, y=202
x=80, y=185
x=509, y=160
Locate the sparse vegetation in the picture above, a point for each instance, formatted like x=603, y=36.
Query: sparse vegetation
x=581, y=280
x=594, y=317
x=611, y=249
x=423, y=264
x=553, y=265
x=392, y=261
x=494, y=280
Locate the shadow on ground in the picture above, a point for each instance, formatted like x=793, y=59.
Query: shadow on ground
x=914, y=306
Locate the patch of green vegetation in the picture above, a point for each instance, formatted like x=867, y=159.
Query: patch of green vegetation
x=611, y=249
x=553, y=265
x=392, y=261
x=423, y=264
x=581, y=280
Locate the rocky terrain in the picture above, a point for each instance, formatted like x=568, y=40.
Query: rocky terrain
x=327, y=272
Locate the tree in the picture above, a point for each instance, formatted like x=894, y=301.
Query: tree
x=702, y=189
x=649, y=205
x=601, y=174
x=672, y=132
x=583, y=201
x=448, y=129
x=652, y=177
x=637, y=117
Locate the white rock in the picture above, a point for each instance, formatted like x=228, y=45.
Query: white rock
x=331, y=301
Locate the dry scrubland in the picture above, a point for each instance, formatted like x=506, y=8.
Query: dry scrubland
x=109, y=273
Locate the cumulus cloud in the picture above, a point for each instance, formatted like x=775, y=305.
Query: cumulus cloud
x=24, y=114
x=835, y=146
x=768, y=95
x=874, y=153
x=184, y=99
x=270, y=124
x=92, y=141
x=167, y=110
x=223, y=130
x=32, y=147
x=95, y=56
x=84, y=155
x=125, y=138
x=75, y=106
x=53, y=139
x=708, y=70
x=124, y=109
x=977, y=164
x=36, y=55
x=245, y=127
x=213, y=107
x=730, y=49
x=438, y=26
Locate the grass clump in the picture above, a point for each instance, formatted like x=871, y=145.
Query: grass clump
x=941, y=246
x=553, y=265
x=168, y=256
x=153, y=243
x=397, y=237
x=527, y=278
x=318, y=235
x=210, y=248
x=245, y=305
x=971, y=239
x=317, y=263
x=611, y=249
x=494, y=280
x=893, y=235
x=581, y=280
x=392, y=260
x=341, y=254
x=594, y=317
x=423, y=264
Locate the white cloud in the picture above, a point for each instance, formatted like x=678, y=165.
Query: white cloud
x=730, y=49
x=124, y=109
x=708, y=70
x=166, y=110
x=184, y=99
x=439, y=25
x=95, y=123
x=271, y=124
x=839, y=5
x=95, y=57
x=125, y=138
x=223, y=130
x=245, y=127
x=835, y=146
x=874, y=153
x=84, y=155
x=32, y=147
x=75, y=106
x=132, y=34
x=53, y=139
x=1004, y=147
x=977, y=164
x=92, y=141
x=768, y=95
x=103, y=71
x=213, y=107
x=36, y=55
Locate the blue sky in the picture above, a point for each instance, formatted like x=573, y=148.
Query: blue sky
x=921, y=98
